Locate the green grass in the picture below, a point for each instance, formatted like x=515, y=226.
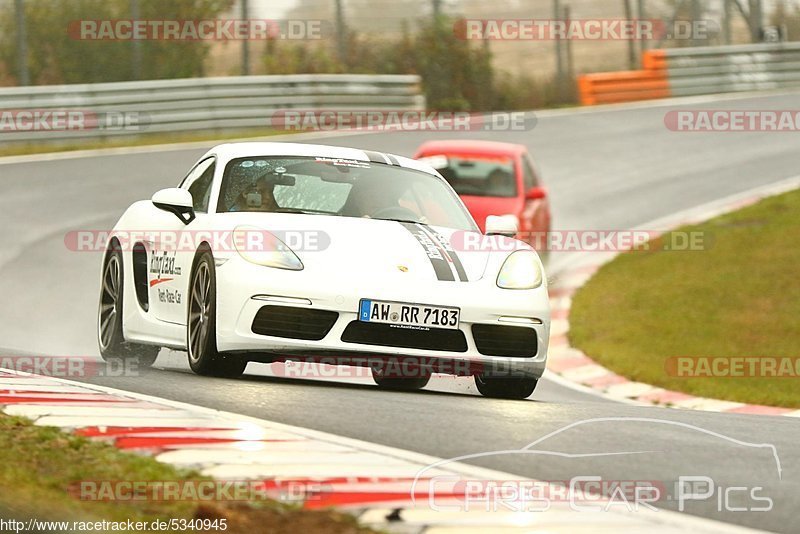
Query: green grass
x=39, y=465
x=738, y=297
x=144, y=140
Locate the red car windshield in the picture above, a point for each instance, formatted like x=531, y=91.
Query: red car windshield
x=476, y=175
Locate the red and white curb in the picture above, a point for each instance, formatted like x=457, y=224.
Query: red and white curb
x=370, y=481
x=573, y=366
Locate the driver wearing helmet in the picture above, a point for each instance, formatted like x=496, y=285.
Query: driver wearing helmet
x=258, y=197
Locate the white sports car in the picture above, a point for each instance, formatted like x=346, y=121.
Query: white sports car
x=276, y=251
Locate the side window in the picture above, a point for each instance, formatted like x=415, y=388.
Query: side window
x=529, y=176
x=198, y=182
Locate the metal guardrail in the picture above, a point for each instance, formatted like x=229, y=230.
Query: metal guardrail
x=727, y=69
x=697, y=71
x=198, y=104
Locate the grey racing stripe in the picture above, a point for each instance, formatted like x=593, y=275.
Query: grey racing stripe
x=449, y=252
x=434, y=252
x=377, y=157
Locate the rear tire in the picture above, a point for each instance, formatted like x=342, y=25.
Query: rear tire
x=201, y=324
x=400, y=383
x=506, y=387
x=110, y=339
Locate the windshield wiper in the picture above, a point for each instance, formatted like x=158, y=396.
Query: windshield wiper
x=304, y=212
x=409, y=221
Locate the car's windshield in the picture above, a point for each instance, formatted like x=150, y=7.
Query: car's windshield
x=342, y=187
x=477, y=175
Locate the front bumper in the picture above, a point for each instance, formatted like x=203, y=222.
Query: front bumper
x=481, y=302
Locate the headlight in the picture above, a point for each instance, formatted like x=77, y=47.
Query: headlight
x=521, y=270
x=263, y=248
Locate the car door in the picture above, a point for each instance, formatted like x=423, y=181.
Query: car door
x=172, y=253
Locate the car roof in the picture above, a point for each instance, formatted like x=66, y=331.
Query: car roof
x=228, y=151
x=473, y=146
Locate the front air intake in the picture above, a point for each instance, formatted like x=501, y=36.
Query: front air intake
x=499, y=340
x=387, y=335
x=293, y=322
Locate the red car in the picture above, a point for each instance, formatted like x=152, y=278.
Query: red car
x=494, y=179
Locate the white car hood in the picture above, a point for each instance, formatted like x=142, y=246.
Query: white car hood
x=352, y=248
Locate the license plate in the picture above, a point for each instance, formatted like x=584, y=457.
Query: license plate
x=408, y=315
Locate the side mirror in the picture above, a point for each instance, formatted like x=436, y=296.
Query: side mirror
x=177, y=201
x=506, y=225
x=535, y=193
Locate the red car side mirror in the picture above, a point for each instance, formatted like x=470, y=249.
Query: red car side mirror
x=535, y=193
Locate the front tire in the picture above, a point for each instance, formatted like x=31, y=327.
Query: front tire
x=110, y=340
x=201, y=324
x=505, y=387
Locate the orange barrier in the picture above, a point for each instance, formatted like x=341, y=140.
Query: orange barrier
x=654, y=60
x=627, y=86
